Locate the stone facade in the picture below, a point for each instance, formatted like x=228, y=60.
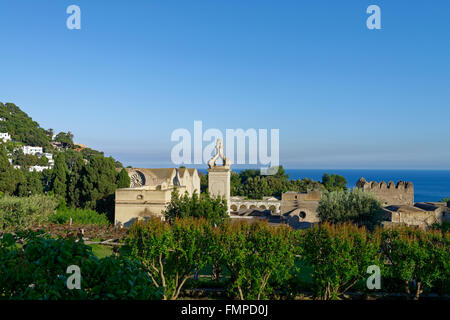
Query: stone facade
x=150, y=192
x=243, y=207
x=422, y=214
x=389, y=194
x=399, y=206
x=300, y=209
x=219, y=182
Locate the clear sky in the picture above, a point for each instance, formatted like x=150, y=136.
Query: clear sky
x=343, y=96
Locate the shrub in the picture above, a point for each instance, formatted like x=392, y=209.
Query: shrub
x=350, y=206
x=444, y=226
x=213, y=209
x=254, y=255
x=37, y=270
x=79, y=216
x=19, y=213
x=339, y=256
x=171, y=253
x=417, y=257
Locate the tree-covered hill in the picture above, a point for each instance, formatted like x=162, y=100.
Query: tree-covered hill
x=22, y=127
x=81, y=177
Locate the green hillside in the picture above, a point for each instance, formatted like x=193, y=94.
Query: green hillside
x=22, y=127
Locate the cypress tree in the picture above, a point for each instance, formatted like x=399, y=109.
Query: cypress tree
x=74, y=183
x=31, y=184
x=98, y=183
x=123, y=179
x=8, y=176
x=59, y=176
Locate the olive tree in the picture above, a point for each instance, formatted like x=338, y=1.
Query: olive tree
x=354, y=206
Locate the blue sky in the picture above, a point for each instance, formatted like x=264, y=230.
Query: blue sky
x=342, y=96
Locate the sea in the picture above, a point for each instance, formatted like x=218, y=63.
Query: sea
x=429, y=185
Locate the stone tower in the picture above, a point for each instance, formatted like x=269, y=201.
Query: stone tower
x=219, y=176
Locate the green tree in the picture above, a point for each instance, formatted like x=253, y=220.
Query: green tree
x=350, y=206
x=74, y=183
x=18, y=213
x=43, y=263
x=123, y=179
x=72, y=157
x=235, y=184
x=171, y=253
x=255, y=255
x=59, y=176
x=42, y=161
x=334, y=182
x=203, y=183
x=25, y=160
x=9, y=178
x=21, y=127
x=257, y=187
x=303, y=185
x=98, y=183
x=339, y=256
x=31, y=184
x=203, y=206
x=281, y=174
x=65, y=138
x=417, y=257
x=251, y=184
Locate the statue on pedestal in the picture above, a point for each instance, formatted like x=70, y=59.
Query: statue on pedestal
x=219, y=153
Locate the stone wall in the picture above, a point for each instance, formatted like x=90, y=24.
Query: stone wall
x=150, y=192
x=140, y=203
x=300, y=209
x=389, y=193
x=412, y=216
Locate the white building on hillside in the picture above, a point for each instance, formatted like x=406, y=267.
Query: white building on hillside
x=49, y=156
x=51, y=161
x=38, y=168
x=5, y=136
x=31, y=150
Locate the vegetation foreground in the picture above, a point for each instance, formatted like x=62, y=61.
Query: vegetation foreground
x=166, y=260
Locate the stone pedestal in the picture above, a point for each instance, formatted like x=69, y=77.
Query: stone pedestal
x=219, y=183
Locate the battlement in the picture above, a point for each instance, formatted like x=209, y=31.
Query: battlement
x=389, y=193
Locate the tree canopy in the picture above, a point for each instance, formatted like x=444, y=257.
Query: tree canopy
x=22, y=127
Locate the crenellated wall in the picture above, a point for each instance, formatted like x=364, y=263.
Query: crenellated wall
x=389, y=193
